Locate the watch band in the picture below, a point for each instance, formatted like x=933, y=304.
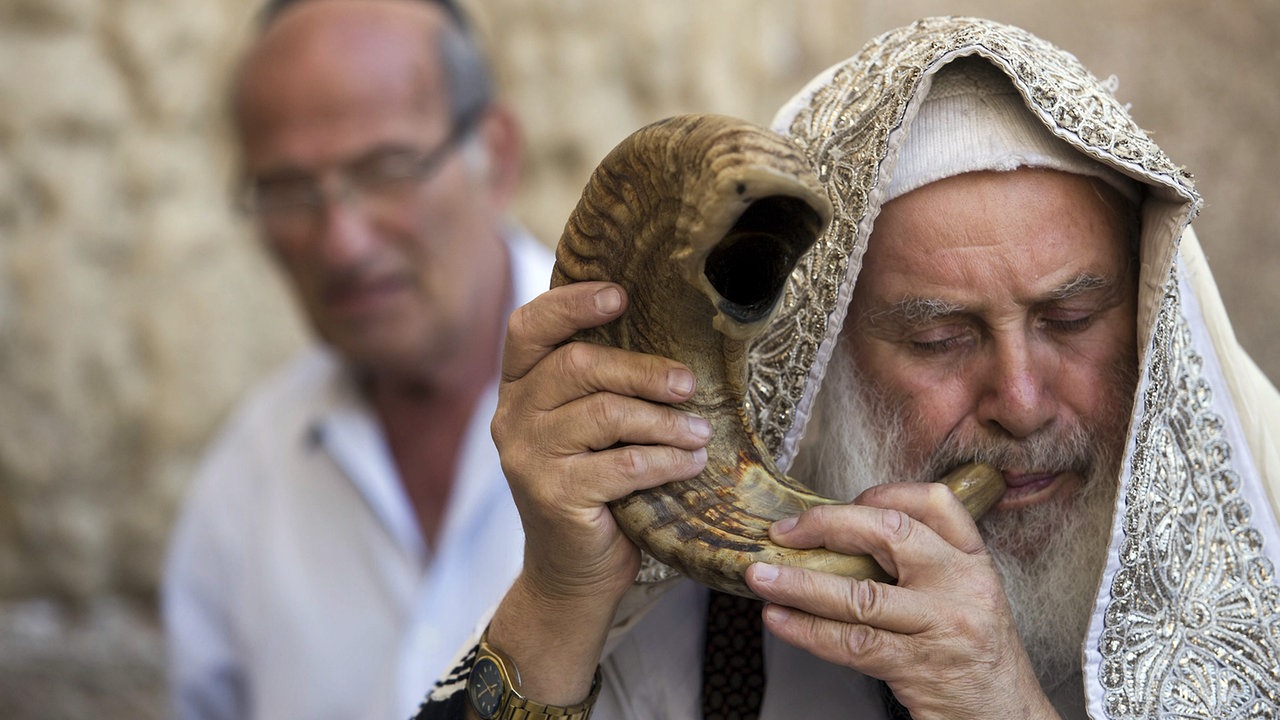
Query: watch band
x=514, y=705
x=521, y=708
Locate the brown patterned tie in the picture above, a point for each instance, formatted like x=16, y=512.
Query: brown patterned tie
x=732, y=659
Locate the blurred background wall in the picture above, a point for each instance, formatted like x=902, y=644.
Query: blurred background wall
x=135, y=306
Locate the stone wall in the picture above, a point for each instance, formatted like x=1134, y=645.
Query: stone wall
x=135, y=306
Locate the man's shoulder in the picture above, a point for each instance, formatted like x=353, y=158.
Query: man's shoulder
x=277, y=411
x=313, y=370
x=261, y=443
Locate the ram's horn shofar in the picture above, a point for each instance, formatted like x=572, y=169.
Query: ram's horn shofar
x=701, y=218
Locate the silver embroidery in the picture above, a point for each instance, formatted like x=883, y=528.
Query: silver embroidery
x=1193, y=627
x=845, y=129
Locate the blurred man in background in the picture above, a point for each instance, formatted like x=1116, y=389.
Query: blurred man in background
x=351, y=522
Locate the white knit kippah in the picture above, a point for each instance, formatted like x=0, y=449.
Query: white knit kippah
x=974, y=119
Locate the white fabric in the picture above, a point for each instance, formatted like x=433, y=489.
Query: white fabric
x=298, y=585
x=973, y=119
x=1254, y=396
x=655, y=671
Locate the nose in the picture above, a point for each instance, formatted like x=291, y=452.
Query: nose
x=1015, y=395
x=344, y=231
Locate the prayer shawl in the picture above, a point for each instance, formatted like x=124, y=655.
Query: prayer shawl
x=1187, y=619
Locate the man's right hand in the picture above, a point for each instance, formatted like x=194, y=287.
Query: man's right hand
x=577, y=426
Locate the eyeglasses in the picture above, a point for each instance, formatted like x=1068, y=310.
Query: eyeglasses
x=290, y=205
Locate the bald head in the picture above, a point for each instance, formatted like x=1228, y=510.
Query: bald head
x=274, y=8
x=418, y=44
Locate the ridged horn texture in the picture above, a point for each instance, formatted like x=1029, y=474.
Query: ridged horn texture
x=701, y=218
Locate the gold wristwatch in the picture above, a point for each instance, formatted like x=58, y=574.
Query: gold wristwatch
x=493, y=690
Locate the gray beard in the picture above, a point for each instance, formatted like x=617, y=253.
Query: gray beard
x=1050, y=557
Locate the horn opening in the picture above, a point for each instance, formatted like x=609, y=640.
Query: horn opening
x=748, y=268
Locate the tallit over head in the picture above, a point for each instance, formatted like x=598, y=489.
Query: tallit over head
x=972, y=120
x=1187, y=620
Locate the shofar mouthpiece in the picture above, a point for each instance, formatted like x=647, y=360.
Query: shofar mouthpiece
x=701, y=218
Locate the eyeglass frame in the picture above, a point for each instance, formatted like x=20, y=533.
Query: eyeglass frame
x=425, y=166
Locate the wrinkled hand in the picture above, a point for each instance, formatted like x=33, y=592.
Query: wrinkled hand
x=579, y=425
x=943, y=638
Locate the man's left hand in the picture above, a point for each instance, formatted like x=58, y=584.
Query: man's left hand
x=943, y=637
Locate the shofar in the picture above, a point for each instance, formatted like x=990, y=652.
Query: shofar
x=701, y=218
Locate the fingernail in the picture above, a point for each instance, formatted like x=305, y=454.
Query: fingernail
x=776, y=614
x=699, y=426
x=680, y=382
x=700, y=456
x=785, y=525
x=764, y=572
x=608, y=300
x=892, y=520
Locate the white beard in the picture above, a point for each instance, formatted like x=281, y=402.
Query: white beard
x=1051, y=582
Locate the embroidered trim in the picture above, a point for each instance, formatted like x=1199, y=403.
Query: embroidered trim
x=1193, y=626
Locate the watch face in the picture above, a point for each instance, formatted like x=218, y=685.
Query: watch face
x=485, y=687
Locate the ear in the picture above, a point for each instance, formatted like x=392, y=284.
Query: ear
x=504, y=142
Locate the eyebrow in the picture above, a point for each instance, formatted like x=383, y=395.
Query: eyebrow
x=913, y=311
x=1078, y=285
x=924, y=310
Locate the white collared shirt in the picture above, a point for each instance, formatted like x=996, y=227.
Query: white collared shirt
x=298, y=585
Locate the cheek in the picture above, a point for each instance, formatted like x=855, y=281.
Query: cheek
x=930, y=406
x=443, y=223
x=1098, y=388
x=305, y=274
x=1098, y=373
